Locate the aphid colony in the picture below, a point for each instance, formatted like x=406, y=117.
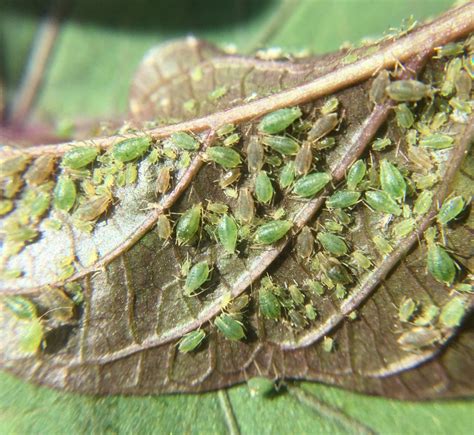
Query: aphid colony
x=283, y=154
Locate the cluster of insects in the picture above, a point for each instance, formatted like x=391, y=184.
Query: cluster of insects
x=268, y=170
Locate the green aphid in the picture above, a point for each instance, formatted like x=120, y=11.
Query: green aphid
x=287, y=175
x=377, y=90
x=341, y=216
x=328, y=344
x=450, y=209
x=425, y=181
x=333, y=226
x=131, y=174
x=343, y=199
x=381, y=143
x=255, y=155
x=304, y=159
x=18, y=233
x=40, y=170
x=191, y=341
x=230, y=177
x=382, y=245
x=130, y=149
x=383, y=202
x=163, y=179
x=392, y=180
x=340, y=292
x=310, y=312
x=6, y=206
x=463, y=85
x=463, y=287
x=225, y=130
x=305, y=242
x=427, y=315
x=79, y=157
x=13, y=165
x=449, y=50
x=196, y=277
x=231, y=139
x=226, y=157
x=356, y=174
x=30, y=336
x=296, y=295
x=332, y=243
x=452, y=70
x=360, y=260
x=339, y=274
x=440, y=265
x=238, y=305
x=245, y=208
x=439, y=119
x=227, y=232
x=279, y=120
x=93, y=208
x=423, y=202
x=407, y=310
x=408, y=90
x=323, y=126
x=40, y=205
x=453, y=312
x=311, y=184
x=229, y=327
x=163, y=227
x=263, y=188
x=437, y=141
x=74, y=290
x=184, y=141
x=188, y=225
x=11, y=185
x=268, y=303
x=217, y=207
x=403, y=228
x=217, y=93
x=330, y=106
x=21, y=307
x=314, y=287
x=404, y=116
x=274, y=160
x=260, y=386
x=271, y=232
x=283, y=144
x=322, y=144
x=297, y=319
x=418, y=338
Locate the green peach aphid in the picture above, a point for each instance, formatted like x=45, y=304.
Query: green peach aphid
x=314, y=287
x=163, y=227
x=225, y=130
x=311, y=184
x=423, y=202
x=407, y=310
x=418, y=338
x=268, y=303
x=6, y=206
x=360, y=260
x=403, y=228
x=407, y=90
x=382, y=245
x=332, y=243
x=231, y=139
x=453, y=312
x=245, y=209
x=13, y=165
x=188, y=225
x=377, y=89
x=229, y=327
x=449, y=50
x=22, y=307
x=343, y=199
x=287, y=175
x=328, y=344
x=392, y=180
x=310, y=312
x=440, y=265
x=450, y=209
x=381, y=143
x=323, y=126
x=356, y=174
x=227, y=232
x=226, y=157
x=184, y=141
x=304, y=159
x=191, y=341
x=297, y=319
x=263, y=188
x=437, y=141
x=383, y=202
x=196, y=277
x=330, y=106
x=130, y=149
x=271, y=232
x=40, y=170
x=276, y=122
x=255, y=155
x=79, y=157
x=230, y=177
x=427, y=315
x=93, y=208
x=404, y=116
x=163, y=179
x=305, y=243
x=296, y=295
x=283, y=144
x=260, y=386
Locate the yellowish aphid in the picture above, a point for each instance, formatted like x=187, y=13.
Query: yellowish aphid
x=93, y=208
x=163, y=226
x=418, y=338
x=230, y=177
x=255, y=155
x=377, y=90
x=323, y=126
x=328, y=344
x=163, y=179
x=304, y=159
x=13, y=165
x=245, y=209
x=40, y=170
x=305, y=243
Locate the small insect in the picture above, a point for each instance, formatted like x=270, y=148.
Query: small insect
x=260, y=386
x=303, y=159
x=408, y=90
x=60, y=307
x=356, y=174
x=296, y=295
x=130, y=149
x=381, y=201
x=418, y=338
x=6, y=206
x=93, y=208
x=196, y=277
x=184, y=141
x=255, y=155
x=439, y=119
x=343, y=199
x=403, y=228
x=339, y=274
x=237, y=305
x=437, y=141
x=297, y=319
x=268, y=303
x=231, y=140
x=11, y=185
x=163, y=226
x=310, y=312
x=271, y=232
x=287, y=175
x=163, y=179
x=392, y=180
x=323, y=126
x=40, y=204
x=227, y=232
x=40, y=170
x=217, y=207
x=381, y=143
x=79, y=157
x=305, y=242
x=439, y=264
x=463, y=287
x=382, y=245
x=245, y=208
x=279, y=120
x=427, y=315
x=217, y=93
x=423, y=202
x=13, y=165
x=314, y=287
x=191, y=341
x=377, y=90
x=360, y=260
x=453, y=312
x=225, y=130
x=188, y=224
x=263, y=188
x=332, y=243
x=404, y=116
x=407, y=310
x=328, y=344
x=452, y=70
x=463, y=85
x=14, y=232
x=21, y=307
x=333, y=226
x=450, y=209
x=450, y=49
x=229, y=327
x=330, y=106
x=226, y=157
x=311, y=184
x=283, y=144
x=230, y=177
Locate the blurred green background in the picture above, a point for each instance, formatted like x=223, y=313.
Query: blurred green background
x=99, y=45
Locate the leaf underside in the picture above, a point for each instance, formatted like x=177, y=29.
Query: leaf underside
x=124, y=337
